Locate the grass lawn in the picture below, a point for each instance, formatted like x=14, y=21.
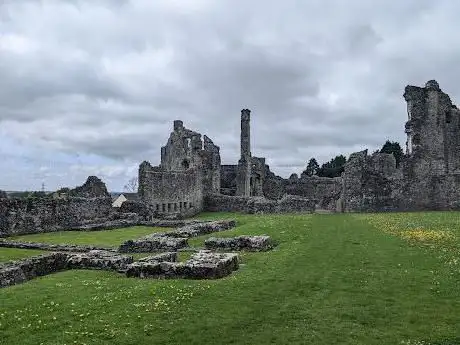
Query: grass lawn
x=333, y=279
x=105, y=238
x=7, y=254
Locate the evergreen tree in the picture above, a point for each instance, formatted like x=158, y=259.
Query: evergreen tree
x=395, y=149
x=333, y=168
x=312, y=167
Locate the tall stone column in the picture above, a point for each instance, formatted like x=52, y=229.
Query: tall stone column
x=243, y=178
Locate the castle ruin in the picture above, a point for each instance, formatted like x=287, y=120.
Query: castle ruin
x=190, y=179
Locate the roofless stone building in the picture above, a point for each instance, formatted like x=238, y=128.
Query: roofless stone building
x=190, y=179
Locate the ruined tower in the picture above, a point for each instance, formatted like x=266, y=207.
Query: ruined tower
x=243, y=177
x=432, y=129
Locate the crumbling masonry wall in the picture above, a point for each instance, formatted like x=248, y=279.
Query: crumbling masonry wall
x=88, y=203
x=171, y=193
x=189, y=170
x=428, y=177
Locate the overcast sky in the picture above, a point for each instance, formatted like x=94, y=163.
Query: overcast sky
x=92, y=87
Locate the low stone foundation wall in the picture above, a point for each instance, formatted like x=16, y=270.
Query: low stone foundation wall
x=152, y=243
x=199, y=229
x=49, y=246
x=252, y=243
x=16, y=272
x=288, y=204
x=174, y=240
x=99, y=259
x=202, y=265
x=168, y=256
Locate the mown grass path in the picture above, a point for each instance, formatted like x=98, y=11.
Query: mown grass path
x=333, y=279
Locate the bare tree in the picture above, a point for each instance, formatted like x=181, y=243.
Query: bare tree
x=131, y=186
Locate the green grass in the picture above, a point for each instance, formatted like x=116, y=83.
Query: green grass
x=105, y=238
x=333, y=279
x=7, y=254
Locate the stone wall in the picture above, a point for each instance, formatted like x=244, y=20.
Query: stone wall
x=326, y=191
x=428, y=177
x=371, y=183
x=228, y=179
x=26, y=216
x=171, y=193
x=189, y=169
x=89, y=203
x=289, y=203
x=16, y=272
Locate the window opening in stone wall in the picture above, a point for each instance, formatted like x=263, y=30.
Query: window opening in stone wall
x=169, y=207
x=158, y=207
x=190, y=205
x=164, y=207
x=185, y=164
x=175, y=206
x=188, y=142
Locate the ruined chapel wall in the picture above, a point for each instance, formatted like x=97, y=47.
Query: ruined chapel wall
x=171, y=192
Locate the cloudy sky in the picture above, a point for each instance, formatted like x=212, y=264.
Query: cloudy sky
x=91, y=87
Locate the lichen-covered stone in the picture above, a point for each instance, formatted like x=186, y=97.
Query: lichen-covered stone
x=251, y=243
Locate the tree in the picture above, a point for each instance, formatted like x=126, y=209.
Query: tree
x=333, y=168
x=132, y=185
x=312, y=167
x=395, y=149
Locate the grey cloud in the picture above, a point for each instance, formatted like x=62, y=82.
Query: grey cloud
x=113, y=77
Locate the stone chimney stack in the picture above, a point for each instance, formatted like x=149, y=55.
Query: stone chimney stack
x=243, y=178
x=245, y=133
